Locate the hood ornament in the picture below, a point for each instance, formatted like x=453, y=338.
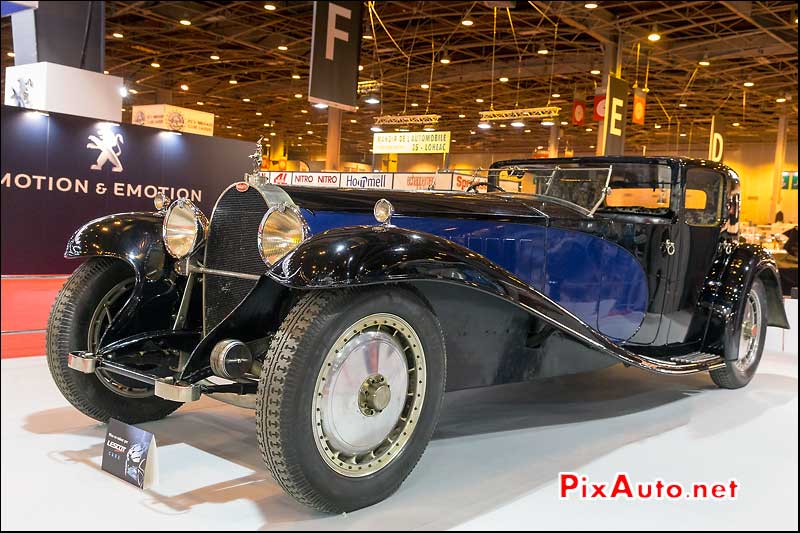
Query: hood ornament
x=256, y=158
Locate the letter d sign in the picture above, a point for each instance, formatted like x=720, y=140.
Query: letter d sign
x=716, y=142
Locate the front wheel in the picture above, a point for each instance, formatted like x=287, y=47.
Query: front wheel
x=752, y=332
x=350, y=395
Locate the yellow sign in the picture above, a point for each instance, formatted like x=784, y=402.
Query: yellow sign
x=168, y=117
x=412, y=142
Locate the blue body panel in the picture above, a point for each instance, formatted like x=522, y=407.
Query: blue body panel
x=597, y=280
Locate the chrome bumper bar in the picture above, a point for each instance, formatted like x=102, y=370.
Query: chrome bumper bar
x=165, y=388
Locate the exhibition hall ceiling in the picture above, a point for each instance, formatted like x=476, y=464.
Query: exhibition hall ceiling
x=247, y=61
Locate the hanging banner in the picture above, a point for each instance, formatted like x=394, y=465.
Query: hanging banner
x=335, y=52
x=412, y=142
x=616, y=115
x=639, y=101
x=419, y=181
x=328, y=180
x=578, y=112
x=716, y=142
x=173, y=118
x=599, y=107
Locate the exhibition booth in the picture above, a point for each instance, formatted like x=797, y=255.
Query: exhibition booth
x=341, y=265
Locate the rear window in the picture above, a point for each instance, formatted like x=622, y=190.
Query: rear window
x=703, y=199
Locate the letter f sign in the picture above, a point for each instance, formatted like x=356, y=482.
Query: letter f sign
x=334, y=11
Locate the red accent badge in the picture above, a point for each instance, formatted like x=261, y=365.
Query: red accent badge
x=242, y=186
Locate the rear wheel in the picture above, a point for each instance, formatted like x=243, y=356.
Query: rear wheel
x=752, y=331
x=83, y=310
x=350, y=395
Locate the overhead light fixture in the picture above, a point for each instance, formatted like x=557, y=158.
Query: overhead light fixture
x=467, y=22
x=484, y=125
x=556, y=95
x=503, y=79
x=376, y=129
x=424, y=86
x=123, y=91
x=735, y=124
x=590, y=5
x=215, y=57
x=308, y=123
x=548, y=123
x=654, y=35
x=117, y=35
x=298, y=95
x=445, y=60
x=104, y=72
x=542, y=49
x=155, y=64
x=229, y=127
x=704, y=62
x=272, y=134
x=270, y=6
x=245, y=99
x=428, y=128
x=233, y=81
x=527, y=131
x=472, y=132
x=259, y=113
x=540, y=147
x=304, y=111
x=320, y=105
x=184, y=87
x=780, y=99
x=657, y=126
x=367, y=37
x=564, y=123
x=518, y=124
x=588, y=129
x=595, y=71
x=133, y=91
x=372, y=99
x=295, y=76
x=682, y=104
x=283, y=47
x=462, y=115
x=414, y=104
x=502, y=125
x=748, y=84
x=479, y=100
x=186, y=22
x=360, y=68
x=200, y=103
x=683, y=135
x=353, y=121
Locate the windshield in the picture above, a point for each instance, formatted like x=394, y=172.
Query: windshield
x=627, y=187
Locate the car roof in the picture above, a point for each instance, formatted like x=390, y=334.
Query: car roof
x=649, y=160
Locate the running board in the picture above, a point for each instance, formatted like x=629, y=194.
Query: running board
x=698, y=357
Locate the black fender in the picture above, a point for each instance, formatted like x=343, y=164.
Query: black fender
x=372, y=255
x=136, y=239
x=725, y=291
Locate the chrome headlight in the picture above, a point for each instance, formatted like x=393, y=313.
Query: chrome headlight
x=281, y=230
x=184, y=228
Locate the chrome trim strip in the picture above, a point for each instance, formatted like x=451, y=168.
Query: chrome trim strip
x=204, y=270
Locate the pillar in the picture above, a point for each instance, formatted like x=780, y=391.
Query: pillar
x=333, y=146
x=780, y=156
x=552, y=145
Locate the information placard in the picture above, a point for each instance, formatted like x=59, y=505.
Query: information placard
x=411, y=142
x=129, y=453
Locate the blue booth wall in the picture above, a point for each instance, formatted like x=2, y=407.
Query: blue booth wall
x=55, y=177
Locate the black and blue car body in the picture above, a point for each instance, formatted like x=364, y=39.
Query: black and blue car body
x=597, y=261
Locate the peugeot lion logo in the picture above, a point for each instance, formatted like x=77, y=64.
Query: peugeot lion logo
x=108, y=143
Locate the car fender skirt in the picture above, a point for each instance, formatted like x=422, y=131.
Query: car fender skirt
x=372, y=255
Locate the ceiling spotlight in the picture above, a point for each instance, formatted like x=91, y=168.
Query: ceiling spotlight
x=310, y=132
x=295, y=76
x=424, y=86
x=588, y=129
x=298, y=95
x=215, y=57
x=282, y=47
x=502, y=125
x=320, y=105
x=654, y=35
x=123, y=91
x=308, y=123
x=704, y=62
x=272, y=134
x=133, y=91
x=735, y=124
x=484, y=125
x=527, y=131
x=186, y=22
x=304, y=111
x=540, y=147
x=472, y=132
x=270, y=6
x=445, y=60
x=556, y=95
x=467, y=22
x=682, y=104
x=367, y=37
x=564, y=123
x=503, y=79
x=479, y=100
x=683, y=135
x=372, y=99
x=590, y=5
x=233, y=81
x=184, y=87
x=360, y=68
x=11, y=54
x=200, y=103
x=353, y=121
x=462, y=115
x=542, y=49
x=518, y=124
x=548, y=122
x=428, y=128
x=414, y=104
x=117, y=35
x=245, y=99
x=657, y=126
x=748, y=84
x=155, y=64
x=376, y=129
x=595, y=71
x=780, y=99
x=259, y=113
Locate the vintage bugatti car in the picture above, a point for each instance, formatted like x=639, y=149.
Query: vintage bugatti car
x=343, y=316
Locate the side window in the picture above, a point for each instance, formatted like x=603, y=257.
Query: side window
x=703, y=198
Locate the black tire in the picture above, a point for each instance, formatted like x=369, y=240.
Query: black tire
x=286, y=389
x=67, y=330
x=731, y=376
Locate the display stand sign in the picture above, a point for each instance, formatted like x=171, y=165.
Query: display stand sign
x=130, y=454
x=173, y=118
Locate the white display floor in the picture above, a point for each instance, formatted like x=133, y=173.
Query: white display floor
x=492, y=464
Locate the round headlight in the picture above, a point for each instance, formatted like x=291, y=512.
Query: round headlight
x=184, y=228
x=281, y=230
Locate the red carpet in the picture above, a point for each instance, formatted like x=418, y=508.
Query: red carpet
x=26, y=303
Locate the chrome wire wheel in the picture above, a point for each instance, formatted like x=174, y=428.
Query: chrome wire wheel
x=368, y=395
x=749, y=336
x=104, y=314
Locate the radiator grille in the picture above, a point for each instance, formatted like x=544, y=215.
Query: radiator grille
x=232, y=245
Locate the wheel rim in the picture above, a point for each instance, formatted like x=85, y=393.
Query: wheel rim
x=750, y=332
x=104, y=314
x=369, y=394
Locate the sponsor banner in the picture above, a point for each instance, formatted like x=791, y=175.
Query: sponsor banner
x=578, y=112
x=616, y=116
x=60, y=171
x=599, y=107
x=280, y=178
x=367, y=180
x=716, y=140
x=461, y=182
x=316, y=179
x=411, y=142
x=130, y=454
x=417, y=181
x=639, y=102
x=173, y=118
x=335, y=49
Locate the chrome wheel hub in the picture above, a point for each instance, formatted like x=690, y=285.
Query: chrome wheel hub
x=368, y=395
x=750, y=332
